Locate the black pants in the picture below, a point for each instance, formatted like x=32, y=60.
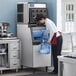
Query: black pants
x=56, y=50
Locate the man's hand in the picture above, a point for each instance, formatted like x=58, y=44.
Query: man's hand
x=49, y=41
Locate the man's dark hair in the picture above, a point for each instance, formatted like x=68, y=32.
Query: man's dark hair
x=40, y=16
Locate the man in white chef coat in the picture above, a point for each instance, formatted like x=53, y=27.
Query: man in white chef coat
x=55, y=38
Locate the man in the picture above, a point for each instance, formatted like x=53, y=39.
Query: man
x=55, y=39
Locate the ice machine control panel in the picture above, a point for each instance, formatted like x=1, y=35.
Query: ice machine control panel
x=26, y=12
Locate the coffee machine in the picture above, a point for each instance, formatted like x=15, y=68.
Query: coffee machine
x=3, y=30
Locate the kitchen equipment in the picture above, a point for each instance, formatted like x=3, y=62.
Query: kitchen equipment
x=3, y=30
x=5, y=26
x=31, y=34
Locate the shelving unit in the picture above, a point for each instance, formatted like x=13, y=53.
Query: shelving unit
x=10, y=58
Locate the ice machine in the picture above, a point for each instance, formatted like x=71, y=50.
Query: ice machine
x=30, y=32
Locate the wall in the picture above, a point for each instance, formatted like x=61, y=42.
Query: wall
x=8, y=11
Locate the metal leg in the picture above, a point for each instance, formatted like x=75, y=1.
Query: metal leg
x=46, y=69
x=1, y=60
x=21, y=67
x=4, y=62
x=34, y=71
x=1, y=71
x=60, y=68
x=16, y=70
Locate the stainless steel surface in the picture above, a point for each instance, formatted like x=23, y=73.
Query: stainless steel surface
x=24, y=34
x=30, y=55
x=67, y=66
x=40, y=60
x=11, y=54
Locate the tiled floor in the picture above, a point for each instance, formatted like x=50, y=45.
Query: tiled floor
x=29, y=74
x=16, y=74
x=42, y=74
x=13, y=73
x=22, y=72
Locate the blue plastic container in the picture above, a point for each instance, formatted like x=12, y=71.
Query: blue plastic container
x=44, y=48
x=43, y=36
x=37, y=33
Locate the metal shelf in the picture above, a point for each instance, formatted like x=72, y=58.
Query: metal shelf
x=3, y=53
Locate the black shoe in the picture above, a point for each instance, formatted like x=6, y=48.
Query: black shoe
x=53, y=72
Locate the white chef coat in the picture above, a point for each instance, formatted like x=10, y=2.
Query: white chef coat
x=51, y=28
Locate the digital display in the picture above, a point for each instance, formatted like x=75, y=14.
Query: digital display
x=37, y=5
x=40, y=5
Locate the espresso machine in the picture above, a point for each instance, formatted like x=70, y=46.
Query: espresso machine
x=29, y=32
x=3, y=30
